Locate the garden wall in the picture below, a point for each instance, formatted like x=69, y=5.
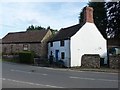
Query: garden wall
x=114, y=61
x=90, y=61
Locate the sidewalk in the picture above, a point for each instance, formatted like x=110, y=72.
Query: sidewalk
x=102, y=69
x=75, y=69
x=97, y=70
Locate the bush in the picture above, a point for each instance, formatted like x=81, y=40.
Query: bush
x=26, y=57
x=60, y=63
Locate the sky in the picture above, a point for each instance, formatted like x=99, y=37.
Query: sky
x=17, y=16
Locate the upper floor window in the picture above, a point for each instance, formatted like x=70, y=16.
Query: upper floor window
x=51, y=44
x=62, y=43
x=51, y=53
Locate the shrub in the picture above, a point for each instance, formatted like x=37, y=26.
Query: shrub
x=60, y=63
x=26, y=57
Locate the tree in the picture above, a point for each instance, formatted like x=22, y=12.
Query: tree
x=30, y=28
x=113, y=26
x=54, y=31
x=99, y=16
x=81, y=17
x=35, y=28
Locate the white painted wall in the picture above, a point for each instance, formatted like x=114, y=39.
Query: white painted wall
x=88, y=40
x=117, y=50
x=65, y=48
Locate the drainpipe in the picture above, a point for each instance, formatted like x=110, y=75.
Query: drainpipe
x=69, y=52
x=108, y=56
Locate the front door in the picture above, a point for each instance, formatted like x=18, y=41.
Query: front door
x=56, y=54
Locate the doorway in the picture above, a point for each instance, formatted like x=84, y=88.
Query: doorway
x=56, y=54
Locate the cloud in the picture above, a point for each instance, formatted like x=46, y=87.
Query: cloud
x=44, y=0
x=54, y=14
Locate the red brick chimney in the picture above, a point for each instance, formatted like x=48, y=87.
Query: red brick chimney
x=88, y=15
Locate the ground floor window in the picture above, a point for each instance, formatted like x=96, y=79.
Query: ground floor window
x=51, y=53
x=25, y=47
x=62, y=55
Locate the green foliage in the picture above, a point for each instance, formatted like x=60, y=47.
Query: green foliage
x=11, y=60
x=60, y=63
x=26, y=57
x=99, y=16
x=113, y=10
x=81, y=17
x=54, y=31
x=0, y=58
x=35, y=28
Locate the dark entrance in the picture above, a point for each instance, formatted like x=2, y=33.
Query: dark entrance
x=56, y=54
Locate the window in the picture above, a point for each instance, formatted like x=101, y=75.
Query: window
x=25, y=47
x=51, y=53
x=62, y=43
x=51, y=44
x=62, y=55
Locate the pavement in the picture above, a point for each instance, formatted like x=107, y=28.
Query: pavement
x=25, y=76
x=109, y=70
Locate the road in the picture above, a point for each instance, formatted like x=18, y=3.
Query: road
x=26, y=76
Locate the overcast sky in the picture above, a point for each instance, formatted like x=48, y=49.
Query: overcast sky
x=17, y=16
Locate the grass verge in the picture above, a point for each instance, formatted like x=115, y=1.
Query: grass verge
x=10, y=60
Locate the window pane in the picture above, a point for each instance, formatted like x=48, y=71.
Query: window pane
x=51, y=53
x=62, y=55
x=25, y=47
x=62, y=43
x=51, y=44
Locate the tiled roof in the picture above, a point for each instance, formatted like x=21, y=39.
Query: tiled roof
x=66, y=33
x=24, y=37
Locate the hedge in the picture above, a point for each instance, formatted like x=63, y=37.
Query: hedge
x=26, y=57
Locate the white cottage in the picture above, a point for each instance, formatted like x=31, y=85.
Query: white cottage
x=71, y=43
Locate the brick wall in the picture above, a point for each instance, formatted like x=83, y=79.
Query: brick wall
x=90, y=61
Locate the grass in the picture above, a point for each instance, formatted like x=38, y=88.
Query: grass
x=10, y=60
x=0, y=60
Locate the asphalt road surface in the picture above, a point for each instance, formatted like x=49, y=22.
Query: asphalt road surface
x=25, y=76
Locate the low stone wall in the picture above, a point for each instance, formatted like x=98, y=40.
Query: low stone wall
x=114, y=61
x=10, y=57
x=90, y=61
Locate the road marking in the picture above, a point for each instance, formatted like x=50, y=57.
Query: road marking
x=30, y=83
x=28, y=72
x=20, y=71
x=92, y=79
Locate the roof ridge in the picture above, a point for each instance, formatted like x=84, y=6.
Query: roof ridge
x=16, y=32
x=35, y=36
x=66, y=33
x=26, y=31
x=70, y=26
